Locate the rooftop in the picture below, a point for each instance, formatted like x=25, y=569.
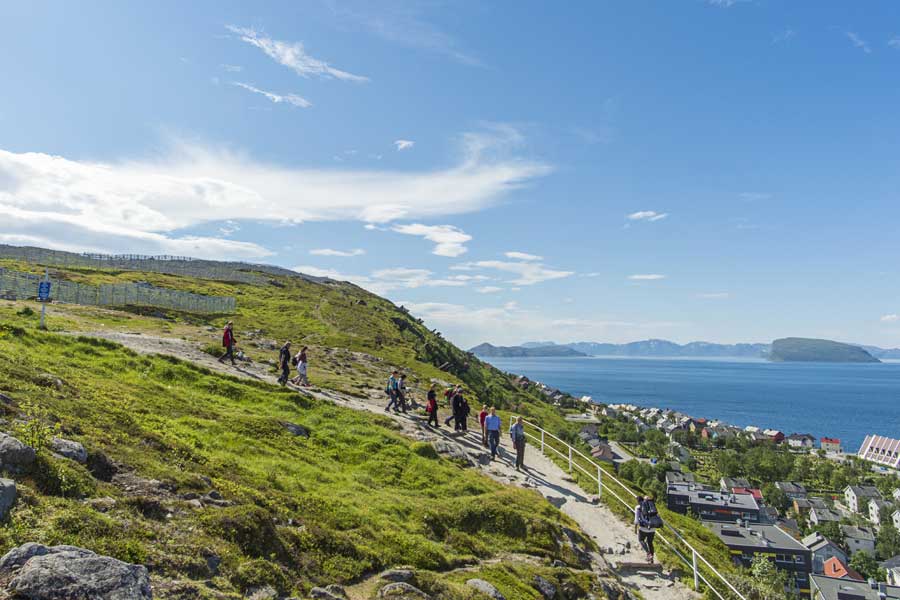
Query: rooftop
x=832, y=588
x=713, y=498
x=769, y=537
x=857, y=533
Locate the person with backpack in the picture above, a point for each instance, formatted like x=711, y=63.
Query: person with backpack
x=284, y=363
x=647, y=521
x=300, y=361
x=401, y=393
x=464, y=410
x=517, y=433
x=431, y=407
x=393, y=384
x=481, y=417
x=228, y=342
x=492, y=424
x=451, y=395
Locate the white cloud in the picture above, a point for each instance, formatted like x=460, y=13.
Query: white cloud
x=293, y=56
x=232, y=68
x=135, y=205
x=229, y=228
x=489, y=289
x=404, y=144
x=522, y=256
x=449, y=240
x=292, y=99
x=646, y=277
x=894, y=42
x=528, y=273
x=647, y=215
x=859, y=42
x=714, y=295
x=342, y=253
x=893, y=318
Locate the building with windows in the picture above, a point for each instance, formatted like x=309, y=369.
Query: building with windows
x=879, y=509
x=745, y=541
x=858, y=496
x=822, y=550
x=710, y=505
x=858, y=539
x=882, y=450
x=836, y=588
x=791, y=489
x=831, y=445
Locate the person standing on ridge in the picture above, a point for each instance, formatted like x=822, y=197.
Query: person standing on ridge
x=464, y=406
x=517, y=433
x=481, y=417
x=492, y=425
x=228, y=342
x=392, y=387
x=302, y=368
x=432, y=407
x=284, y=363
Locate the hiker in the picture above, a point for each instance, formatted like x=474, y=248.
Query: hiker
x=228, y=342
x=517, y=433
x=481, y=417
x=301, y=363
x=432, y=407
x=647, y=521
x=401, y=393
x=464, y=410
x=492, y=425
x=284, y=363
x=393, y=384
x=457, y=406
x=450, y=395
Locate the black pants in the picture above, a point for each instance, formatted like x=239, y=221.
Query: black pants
x=520, y=454
x=646, y=540
x=285, y=374
x=433, y=418
x=229, y=353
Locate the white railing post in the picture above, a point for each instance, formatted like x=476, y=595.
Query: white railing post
x=570, y=458
x=599, y=481
x=542, y=441
x=696, y=573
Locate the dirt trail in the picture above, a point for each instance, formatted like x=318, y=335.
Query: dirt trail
x=541, y=474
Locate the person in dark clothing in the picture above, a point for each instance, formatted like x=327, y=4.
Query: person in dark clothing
x=228, y=342
x=432, y=407
x=457, y=405
x=465, y=410
x=284, y=363
x=451, y=394
x=517, y=433
x=401, y=388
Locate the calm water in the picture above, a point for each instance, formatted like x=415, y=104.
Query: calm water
x=836, y=400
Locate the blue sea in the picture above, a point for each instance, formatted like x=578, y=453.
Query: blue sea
x=846, y=401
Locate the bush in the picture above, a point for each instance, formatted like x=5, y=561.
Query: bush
x=424, y=449
x=249, y=527
x=62, y=477
x=26, y=312
x=258, y=573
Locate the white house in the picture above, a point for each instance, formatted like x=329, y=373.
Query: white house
x=858, y=539
x=895, y=517
x=818, y=515
x=878, y=509
x=858, y=496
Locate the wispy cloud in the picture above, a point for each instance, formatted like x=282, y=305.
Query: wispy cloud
x=489, y=289
x=646, y=277
x=714, y=295
x=292, y=99
x=449, y=240
x=522, y=256
x=646, y=215
x=137, y=205
x=527, y=273
x=894, y=42
x=293, y=56
x=229, y=228
x=858, y=42
x=232, y=68
x=341, y=253
x=892, y=318
x=404, y=144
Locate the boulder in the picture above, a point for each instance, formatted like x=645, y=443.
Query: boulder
x=485, y=588
x=7, y=496
x=264, y=593
x=396, y=575
x=5, y=399
x=295, y=429
x=402, y=591
x=51, y=573
x=69, y=449
x=330, y=592
x=453, y=451
x=14, y=455
x=545, y=587
x=101, y=467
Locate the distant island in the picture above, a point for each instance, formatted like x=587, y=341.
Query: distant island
x=812, y=350
x=655, y=348
x=491, y=351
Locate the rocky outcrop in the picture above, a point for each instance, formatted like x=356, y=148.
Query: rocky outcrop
x=546, y=588
x=295, y=429
x=402, y=591
x=69, y=449
x=329, y=592
x=395, y=575
x=39, y=572
x=15, y=456
x=485, y=588
x=7, y=496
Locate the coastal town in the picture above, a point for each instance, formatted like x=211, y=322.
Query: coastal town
x=828, y=520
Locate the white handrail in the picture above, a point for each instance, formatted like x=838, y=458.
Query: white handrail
x=695, y=554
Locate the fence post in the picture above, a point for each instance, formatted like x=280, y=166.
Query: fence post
x=542, y=441
x=599, y=481
x=570, y=458
x=696, y=574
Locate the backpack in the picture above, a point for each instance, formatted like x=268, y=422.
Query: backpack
x=294, y=361
x=650, y=516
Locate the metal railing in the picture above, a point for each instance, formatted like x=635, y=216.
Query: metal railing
x=696, y=562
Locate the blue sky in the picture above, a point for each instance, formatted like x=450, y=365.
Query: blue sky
x=611, y=171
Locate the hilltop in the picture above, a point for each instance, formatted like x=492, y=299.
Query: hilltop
x=489, y=351
x=813, y=350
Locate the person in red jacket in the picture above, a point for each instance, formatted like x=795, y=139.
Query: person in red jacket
x=481, y=417
x=228, y=342
x=432, y=407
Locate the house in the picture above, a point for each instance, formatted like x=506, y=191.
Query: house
x=751, y=429
x=609, y=412
x=679, y=452
x=791, y=489
x=817, y=516
x=835, y=567
x=822, y=549
x=673, y=477
x=896, y=495
x=757, y=437
x=834, y=588
x=755, y=492
x=858, y=539
x=603, y=452
x=697, y=425
x=774, y=435
x=785, y=552
x=710, y=505
x=895, y=518
x=727, y=484
x=801, y=440
x=858, y=496
x=891, y=567
x=879, y=509
x=801, y=506
x=830, y=445
x=882, y=450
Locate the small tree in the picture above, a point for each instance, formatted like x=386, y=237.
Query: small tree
x=866, y=565
x=770, y=583
x=888, y=544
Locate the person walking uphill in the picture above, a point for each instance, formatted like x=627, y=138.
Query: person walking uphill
x=228, y=342
x=284, y=363
x=393, y=391
x=431, y=407
x=481, y=417
x=451, y=395
x=492, y=425
x=517, y=433
x=301, y=360
x=647, y=521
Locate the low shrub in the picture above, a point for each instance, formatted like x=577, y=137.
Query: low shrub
x=62, y=477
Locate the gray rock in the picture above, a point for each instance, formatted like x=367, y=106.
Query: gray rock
x=263, y=593
x=482, y=458
x=485, y=588
x=331, y=592
x=7, y=496
x=402, y=591
x=52, y=573
x=398, y=575
x=295, y=429
x=545, y=587
x=453, y=451
x=195, y=504
x=104, y=504
x=14, y=455
x=69, y=449
x=557, y=501
x=5, y=399
x=336, y=590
